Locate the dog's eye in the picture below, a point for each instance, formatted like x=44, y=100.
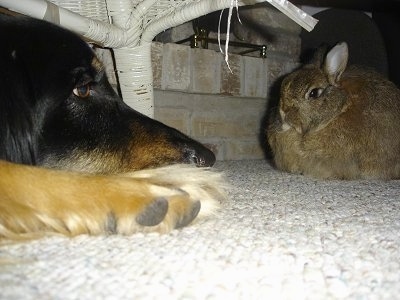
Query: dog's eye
x=315, y=93
x=82, y=91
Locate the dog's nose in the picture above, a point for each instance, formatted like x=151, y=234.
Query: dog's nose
x=202, y=157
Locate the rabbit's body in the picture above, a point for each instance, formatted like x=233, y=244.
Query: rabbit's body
x=342, y=125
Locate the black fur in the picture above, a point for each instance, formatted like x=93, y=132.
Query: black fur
x=42, y=122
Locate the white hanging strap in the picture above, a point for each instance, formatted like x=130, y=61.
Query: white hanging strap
x=296, y=14
x=52, y=13
x=293, y=12
x=234, y=3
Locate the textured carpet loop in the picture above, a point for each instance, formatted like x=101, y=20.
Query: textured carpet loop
x=280, y=236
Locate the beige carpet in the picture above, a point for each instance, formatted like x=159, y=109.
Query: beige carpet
x=280, y=236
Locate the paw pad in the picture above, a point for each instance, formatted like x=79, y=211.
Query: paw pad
x=189, y=217
x=154, y=213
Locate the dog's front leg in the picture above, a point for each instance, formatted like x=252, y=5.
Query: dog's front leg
x=37, y=201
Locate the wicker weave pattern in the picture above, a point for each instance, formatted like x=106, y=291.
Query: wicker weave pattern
x=134, y=24
x=93, y=9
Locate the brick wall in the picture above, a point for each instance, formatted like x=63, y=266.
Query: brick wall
x=196, y=93
x=228, y=125
x=202, y=71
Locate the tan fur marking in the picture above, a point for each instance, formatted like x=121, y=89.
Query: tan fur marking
x=97, y=64
x=76, y=203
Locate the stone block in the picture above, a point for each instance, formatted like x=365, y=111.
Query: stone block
x=228, y=125
x=277, y=68
x=176, y=34
x=243, y=149
x=223, y=125
x=255, y=73
x=176, y=67
x=178, y=118
x=156, y=63
x=215, y=145
x=206, y=70
x=232, y=79
x=265, y=25
x=265, y=17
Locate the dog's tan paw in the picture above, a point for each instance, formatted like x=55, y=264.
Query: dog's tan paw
x=155, y=200
x=181, y=194
x=162, y=215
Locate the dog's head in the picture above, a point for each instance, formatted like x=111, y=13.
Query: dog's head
x=57, y=108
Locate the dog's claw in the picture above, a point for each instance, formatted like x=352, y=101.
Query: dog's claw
x=153, y=214
x=187, y=218
x=111, y=223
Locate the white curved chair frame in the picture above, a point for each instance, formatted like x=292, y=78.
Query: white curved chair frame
x=129, y=26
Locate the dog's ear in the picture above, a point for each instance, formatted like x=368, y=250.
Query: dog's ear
x=18, y=138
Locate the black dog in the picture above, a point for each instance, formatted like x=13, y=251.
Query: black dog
x=58, y=111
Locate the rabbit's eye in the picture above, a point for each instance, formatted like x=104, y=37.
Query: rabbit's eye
x=315, y=93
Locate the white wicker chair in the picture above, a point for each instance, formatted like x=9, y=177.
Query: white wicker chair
x=129, y=26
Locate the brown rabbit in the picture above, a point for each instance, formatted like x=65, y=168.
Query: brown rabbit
x=335, y=122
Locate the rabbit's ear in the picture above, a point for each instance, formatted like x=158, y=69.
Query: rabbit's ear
x=336, y=62
x=318, y=57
